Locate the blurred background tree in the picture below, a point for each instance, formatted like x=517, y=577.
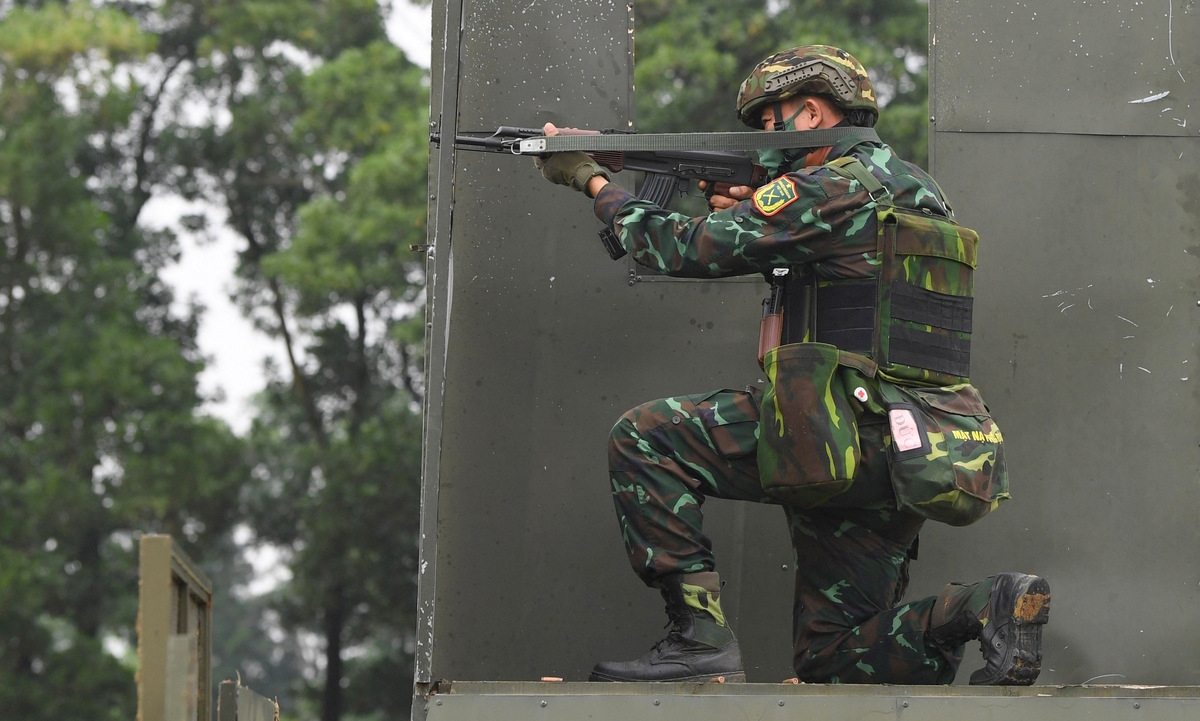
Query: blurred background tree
x=302, y=128
x=102, y=438
x=679, y=81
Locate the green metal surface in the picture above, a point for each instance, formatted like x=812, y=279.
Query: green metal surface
x=1085, y=348
x=668, y=702
x=174, y=633
x=238, y=703
x=1087, y=317
x=1111, y=67
x=537, y=342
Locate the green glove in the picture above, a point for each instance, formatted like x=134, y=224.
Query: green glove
x=572, y=169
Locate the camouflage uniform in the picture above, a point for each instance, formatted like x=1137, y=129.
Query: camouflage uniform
x=667, y=456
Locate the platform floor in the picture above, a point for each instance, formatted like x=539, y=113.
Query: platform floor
x=504, y=701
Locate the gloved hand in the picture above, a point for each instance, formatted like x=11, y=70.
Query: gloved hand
x=573, y=169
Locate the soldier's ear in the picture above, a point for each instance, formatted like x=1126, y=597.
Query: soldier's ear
x=822, y=113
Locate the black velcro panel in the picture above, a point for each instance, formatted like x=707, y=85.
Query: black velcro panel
x=845, y=315
x=932, y=351
x=927, y=307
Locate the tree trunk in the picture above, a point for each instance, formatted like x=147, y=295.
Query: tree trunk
x=331, y=701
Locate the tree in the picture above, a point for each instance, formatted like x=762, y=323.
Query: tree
x=101, y=434
x=322, y=171
x=348, y=411
x=680, y=81
x=213, y=101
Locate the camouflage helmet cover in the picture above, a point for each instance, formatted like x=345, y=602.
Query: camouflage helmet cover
x=816, y=69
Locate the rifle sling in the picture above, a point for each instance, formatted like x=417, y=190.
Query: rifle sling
x=694, y=141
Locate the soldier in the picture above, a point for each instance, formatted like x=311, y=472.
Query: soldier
x=868, y=425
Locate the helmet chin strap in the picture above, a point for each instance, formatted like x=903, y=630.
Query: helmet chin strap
x=777, y=111
x=781, y=122
x=789, y=156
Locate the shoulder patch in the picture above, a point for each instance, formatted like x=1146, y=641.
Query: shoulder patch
x=775, y=196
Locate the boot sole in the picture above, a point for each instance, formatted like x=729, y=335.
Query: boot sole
x=1031, y=611
x=706, y=678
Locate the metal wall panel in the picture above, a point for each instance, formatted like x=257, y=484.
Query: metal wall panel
x=1086, y=348
x=1088, y=316
x=537, y=342
x=1115, y=67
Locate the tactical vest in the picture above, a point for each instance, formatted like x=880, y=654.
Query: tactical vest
x=913, y=321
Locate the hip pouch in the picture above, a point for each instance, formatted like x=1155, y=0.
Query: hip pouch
x=808, y=446
x=945, y=453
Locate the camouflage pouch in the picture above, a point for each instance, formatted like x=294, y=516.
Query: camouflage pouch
x=808, y=447
x=945, y=453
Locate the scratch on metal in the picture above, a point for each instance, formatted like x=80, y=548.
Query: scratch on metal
x=1151, y=98
x=1171, y=33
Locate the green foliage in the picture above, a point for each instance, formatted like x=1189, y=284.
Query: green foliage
x=323, y=29
x=678, y=82
x=315, y=146
x=368, y=110
x=100, y=435
x=59, y=39
x=354, y=502
x=323, y=174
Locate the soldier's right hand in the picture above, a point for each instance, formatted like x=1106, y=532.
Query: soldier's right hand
x=736, y=194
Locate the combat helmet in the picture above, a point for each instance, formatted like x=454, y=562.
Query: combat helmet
x=811, y=70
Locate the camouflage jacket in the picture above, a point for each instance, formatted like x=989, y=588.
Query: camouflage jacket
x=949, y=465
x=811, y=216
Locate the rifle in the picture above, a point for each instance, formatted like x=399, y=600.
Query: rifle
x=666, y=171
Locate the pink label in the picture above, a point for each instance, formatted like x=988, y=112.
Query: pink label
x=905, y=434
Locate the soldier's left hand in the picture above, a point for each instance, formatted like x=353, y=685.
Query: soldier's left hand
x=572, y=169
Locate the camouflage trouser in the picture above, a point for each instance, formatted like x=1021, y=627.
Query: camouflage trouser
x=851, y=554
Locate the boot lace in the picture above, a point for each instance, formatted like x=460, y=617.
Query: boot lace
x=676, y=620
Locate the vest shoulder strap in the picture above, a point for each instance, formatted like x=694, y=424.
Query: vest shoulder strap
x=851, y=167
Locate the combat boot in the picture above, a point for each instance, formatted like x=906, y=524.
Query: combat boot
x=699, y=647
x=1006, y=615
